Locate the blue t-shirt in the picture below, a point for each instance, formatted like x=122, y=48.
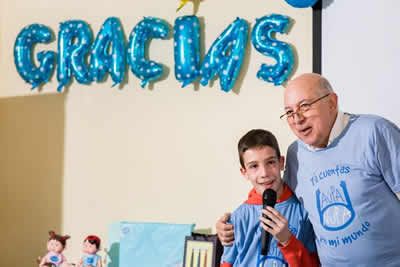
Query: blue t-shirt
x=349, y=189
x=246, y=250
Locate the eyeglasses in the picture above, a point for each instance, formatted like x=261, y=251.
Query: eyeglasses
x=303, y=107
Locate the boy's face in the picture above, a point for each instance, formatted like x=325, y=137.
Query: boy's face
x=263, y=169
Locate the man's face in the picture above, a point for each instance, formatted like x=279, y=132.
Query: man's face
x=263, y=169
x=314, y=125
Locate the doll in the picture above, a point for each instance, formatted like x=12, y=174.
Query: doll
x=91, y=246
x=55, y=247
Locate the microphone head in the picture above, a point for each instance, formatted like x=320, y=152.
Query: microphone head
x=269, y=197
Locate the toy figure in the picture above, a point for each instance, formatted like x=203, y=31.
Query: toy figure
x=55, y=247
x=91, y=246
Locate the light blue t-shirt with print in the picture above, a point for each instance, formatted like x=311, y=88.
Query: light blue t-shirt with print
x=349, y=189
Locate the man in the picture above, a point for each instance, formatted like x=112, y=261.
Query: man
x=345, y=170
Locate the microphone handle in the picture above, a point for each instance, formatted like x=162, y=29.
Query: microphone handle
x=265, y=237
x=265, y=240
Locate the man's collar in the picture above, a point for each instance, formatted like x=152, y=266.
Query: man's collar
x=342, y=119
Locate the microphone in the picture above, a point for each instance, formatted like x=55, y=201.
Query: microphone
x=269, y=199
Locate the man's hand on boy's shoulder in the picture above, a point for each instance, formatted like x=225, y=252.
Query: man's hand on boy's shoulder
x=225, y=230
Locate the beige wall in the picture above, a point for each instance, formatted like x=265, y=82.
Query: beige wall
x=164, y=154
x=31, y=184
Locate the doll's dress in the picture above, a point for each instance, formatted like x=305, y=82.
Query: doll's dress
x=90, y=260
x=54, y=258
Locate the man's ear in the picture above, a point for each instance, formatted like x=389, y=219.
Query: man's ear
x=333, y=101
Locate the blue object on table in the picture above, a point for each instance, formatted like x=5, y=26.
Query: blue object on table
x=149, y=244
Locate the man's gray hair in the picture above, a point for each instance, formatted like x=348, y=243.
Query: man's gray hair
x=325, y=85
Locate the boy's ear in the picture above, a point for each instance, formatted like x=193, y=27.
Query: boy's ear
x=243, y=172
x=282, y=163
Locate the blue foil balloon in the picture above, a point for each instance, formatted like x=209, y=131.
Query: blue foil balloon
x=187, y=49
x=110, y=38
x=74, y=42
x=225, y=56
x=301, y=3
x=265, y=43
x=23, y=50
x=147, y=29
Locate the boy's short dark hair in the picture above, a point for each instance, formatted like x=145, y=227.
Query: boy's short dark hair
x=257, y=138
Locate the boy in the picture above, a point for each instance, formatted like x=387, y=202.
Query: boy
x=293, y=243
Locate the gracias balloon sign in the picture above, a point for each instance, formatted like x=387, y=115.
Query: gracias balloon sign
x=87, y=59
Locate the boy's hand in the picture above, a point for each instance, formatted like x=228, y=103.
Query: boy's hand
x=276, y=226
x=224, y=230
